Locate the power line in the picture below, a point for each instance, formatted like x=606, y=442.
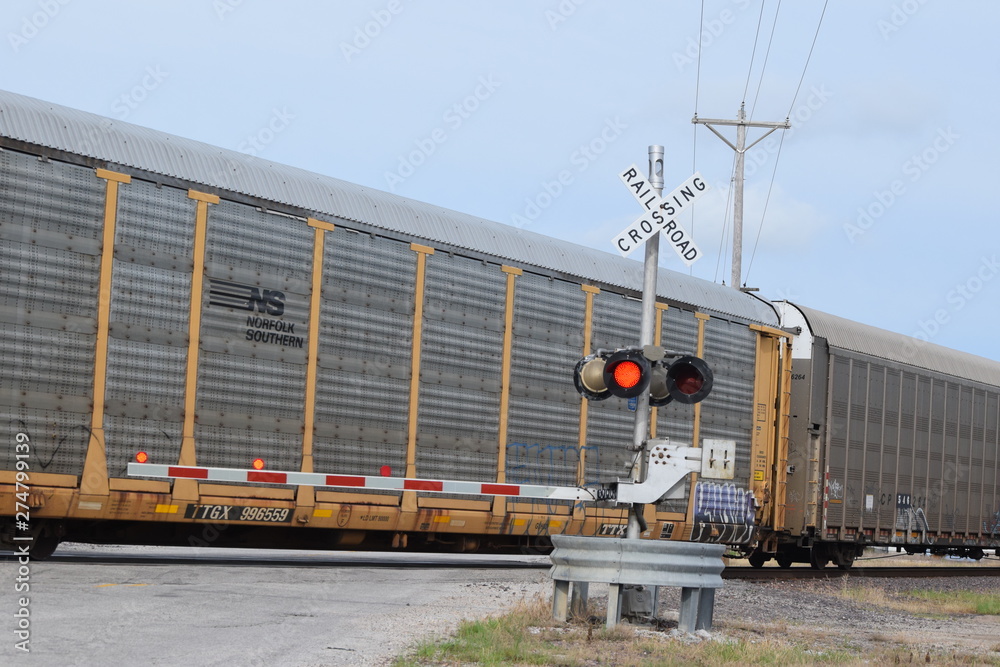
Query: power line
x=767, y=200
x=697, y=80
x=808, y=58
x=767, y=54
x=753, y=53
x=777, y=156
x=694, y=130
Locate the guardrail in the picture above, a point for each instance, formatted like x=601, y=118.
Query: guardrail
x=695, y=568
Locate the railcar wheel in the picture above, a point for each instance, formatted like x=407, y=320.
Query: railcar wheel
x=757, y=559
x=844, y=558
x=818, y=558
x=784, y=560
x=43, y=546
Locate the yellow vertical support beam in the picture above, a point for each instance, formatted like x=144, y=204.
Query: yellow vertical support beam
x=765, y=438
x=409, y=503
x=696, y=433
x=657, y=340
x=700, y=353
x=588, y=330
x=187, y=489
x=306, y=495
x=500, y=502
x=95, y=467
x=783, y=419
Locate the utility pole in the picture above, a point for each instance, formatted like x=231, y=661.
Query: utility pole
x=741, y=148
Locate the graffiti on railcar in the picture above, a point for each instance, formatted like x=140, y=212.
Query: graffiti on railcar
x=910, y=518
x=723, y=513
x=992, y=527
x=723, y=503
x=540, y=464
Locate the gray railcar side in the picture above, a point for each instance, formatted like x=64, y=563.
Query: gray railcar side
x=895, y=441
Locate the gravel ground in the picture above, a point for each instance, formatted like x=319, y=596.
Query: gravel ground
x=811, y=612
x=815, y=612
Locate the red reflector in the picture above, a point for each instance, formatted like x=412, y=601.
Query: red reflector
x=141, y=457
x=627, y=374
x=258, y=464
x=191, y=473
x=386, y=471
x=422, y=485
x=269, y=477
x=502, y=489
x=344, y=480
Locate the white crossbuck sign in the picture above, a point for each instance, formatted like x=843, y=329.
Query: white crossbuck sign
x=661, y=215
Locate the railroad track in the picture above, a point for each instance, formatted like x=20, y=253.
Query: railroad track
x=283, y=558
x=913, y=572
x=406, y=560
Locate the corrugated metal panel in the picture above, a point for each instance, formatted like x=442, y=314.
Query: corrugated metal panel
x=674, y=420
x=37, y=122
x=250, y=389
x=909, y=452
x=460, y=369
x=543, y=432
x=147, y=350
x=847, y=335
x=610, y=423
x=363, y=380
x=727, y=413
x=51, y=217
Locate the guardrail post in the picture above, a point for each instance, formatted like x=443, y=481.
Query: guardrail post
x=569, y=600
x=560, y=601
x=697, y=606
x=614, y=604
x=579, y=591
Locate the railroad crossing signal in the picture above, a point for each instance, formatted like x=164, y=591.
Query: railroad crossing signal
x=627, y=372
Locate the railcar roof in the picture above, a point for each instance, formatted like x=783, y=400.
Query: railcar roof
x=856, y=337
x=60, y=128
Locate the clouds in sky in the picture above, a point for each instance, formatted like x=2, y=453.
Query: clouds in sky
x=525, y=112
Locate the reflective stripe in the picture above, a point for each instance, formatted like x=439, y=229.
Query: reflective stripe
x=357, y=481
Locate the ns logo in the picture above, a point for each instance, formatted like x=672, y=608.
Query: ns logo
x=246, y=297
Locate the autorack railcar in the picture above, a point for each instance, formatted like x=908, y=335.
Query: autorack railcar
x=894, y=442
x=202, y=308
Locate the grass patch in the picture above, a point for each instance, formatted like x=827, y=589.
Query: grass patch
x=529, y=636
x=923, y=602
x=958, y=602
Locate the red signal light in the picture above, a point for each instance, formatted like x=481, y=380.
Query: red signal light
x=141, y=457
x=258, y=464
x=627, y=374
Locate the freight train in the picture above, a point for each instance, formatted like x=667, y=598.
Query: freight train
x=315, y=364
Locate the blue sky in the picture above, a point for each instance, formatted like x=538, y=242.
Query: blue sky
x=525, y=113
